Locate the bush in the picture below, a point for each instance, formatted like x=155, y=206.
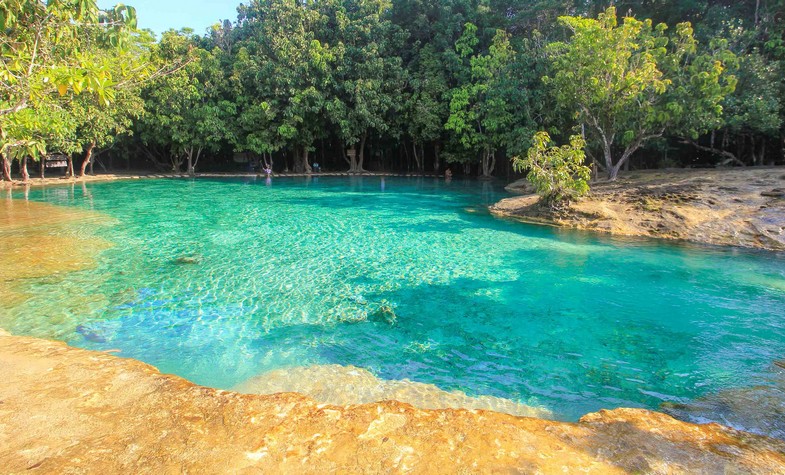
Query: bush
x=557, y=173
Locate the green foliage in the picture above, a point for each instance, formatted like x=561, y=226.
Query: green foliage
x=43, y=49
x=367, y=75
x=185, y=111
x=632, y=82
x=480, y=113
x=460, y=81
x=558, y=173
x=56, y=55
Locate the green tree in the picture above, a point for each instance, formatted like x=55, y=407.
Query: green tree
x=258, y=115
x=291, y=75
x=29, y=131
x=367, y=78
x=631, y=83
x=186, y=113
x=558, y=173
x=45, y=51
x=425, y=108
x=100, y=125
x=480, y=112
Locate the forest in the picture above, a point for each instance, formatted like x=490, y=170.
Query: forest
x=407, y=85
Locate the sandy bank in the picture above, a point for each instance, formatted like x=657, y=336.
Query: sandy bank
x=737, y=207
x=66, y=410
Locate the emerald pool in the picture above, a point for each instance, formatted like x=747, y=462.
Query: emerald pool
x=219, y=280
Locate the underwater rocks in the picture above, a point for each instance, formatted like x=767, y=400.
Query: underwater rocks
x=757, y=409
x=344, y=385
x=738, y=207
x=67, y=410
x=187, y=260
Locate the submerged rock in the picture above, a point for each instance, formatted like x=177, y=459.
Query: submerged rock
x=777, y=193
x=758, y=409
x=90, y=334
x=520, y=187
x=188, y=260
x=336, y=384
x=385, y=313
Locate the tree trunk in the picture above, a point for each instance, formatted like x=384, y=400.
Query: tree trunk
x=346, y=157
x=301, y=164
x=408, y=160
x=177, y=161
x=606, y=152
x=417, y=163
x=192, y=163
x=191, y=159
x=757, y=10
x=436, y=157
x=70, y=170
x=306, y=166
x=488, y=163
x=361, y=154
x=357, y=155
x=352, y=159
x=43, y=167
x=23, y=169
x=87, y=158
x=189, y=153
x=6, y=169
x=613, y=171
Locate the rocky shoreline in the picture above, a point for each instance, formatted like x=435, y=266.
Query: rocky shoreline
x=733, y=207
x=68, y=410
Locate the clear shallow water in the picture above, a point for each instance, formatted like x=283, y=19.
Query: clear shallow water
x=295, y=273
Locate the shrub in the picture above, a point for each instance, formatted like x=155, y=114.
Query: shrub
x=557, y=173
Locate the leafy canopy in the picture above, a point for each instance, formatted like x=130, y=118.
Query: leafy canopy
x=632, y=82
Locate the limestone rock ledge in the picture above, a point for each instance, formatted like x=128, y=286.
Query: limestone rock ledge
x=734, y=207
x=67, y=410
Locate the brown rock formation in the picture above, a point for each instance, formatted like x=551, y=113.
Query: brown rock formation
x=739, y=207
x=66, y=410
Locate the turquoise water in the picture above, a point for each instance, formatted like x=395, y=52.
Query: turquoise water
x=302, y=272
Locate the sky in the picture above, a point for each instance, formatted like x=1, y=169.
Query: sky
x=161, y=15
